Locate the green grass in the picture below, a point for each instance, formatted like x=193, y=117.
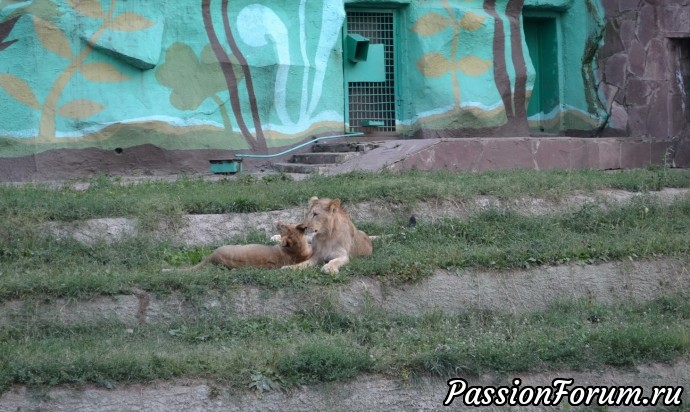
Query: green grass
x=32, y=263
x=325, y=344
x=157, y=200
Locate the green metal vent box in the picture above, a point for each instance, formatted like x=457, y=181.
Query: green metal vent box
x=357, y=47
x=226, y=166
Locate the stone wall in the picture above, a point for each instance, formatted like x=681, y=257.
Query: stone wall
x=644, y=67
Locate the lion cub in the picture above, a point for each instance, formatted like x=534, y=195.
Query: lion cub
x=335, y=238
x=293, y=249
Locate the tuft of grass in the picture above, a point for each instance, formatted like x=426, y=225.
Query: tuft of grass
x=323, y=362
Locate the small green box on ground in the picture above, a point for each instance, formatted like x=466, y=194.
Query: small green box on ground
x=226, y=166
x=373, y=123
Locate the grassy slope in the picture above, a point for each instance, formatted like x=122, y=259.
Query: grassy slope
x=324, y=344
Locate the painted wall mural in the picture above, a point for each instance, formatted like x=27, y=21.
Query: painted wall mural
x=232, y=75
x=261, y=74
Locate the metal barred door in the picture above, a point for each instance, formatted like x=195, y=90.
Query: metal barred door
x=372, y=103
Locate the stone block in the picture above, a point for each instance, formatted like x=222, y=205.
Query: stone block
x=619, y=117
x=676, y=20
x=647, y=27
x=615, y=69
x=561, y=154
x=627, y=32
x=455, y=154
x=661, y=152
x=507, y=153
x=656, y=61
x=626, y=5
x=637, y=58
x=682, y=155
x=635, y=154
x=609, y=153
x=612, y=41
x=637, y=91
x=658, y=118
x=637, y=120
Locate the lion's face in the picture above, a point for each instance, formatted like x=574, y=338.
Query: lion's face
x=292, y=238
x=321, y=215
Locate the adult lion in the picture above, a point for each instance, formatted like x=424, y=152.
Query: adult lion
x=293, y=248
x=335, y=239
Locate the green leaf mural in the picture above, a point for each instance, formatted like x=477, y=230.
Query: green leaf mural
x=436, y=64
x=192, y=79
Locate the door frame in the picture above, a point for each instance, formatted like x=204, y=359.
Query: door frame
x=395, y=10
x=557, y=21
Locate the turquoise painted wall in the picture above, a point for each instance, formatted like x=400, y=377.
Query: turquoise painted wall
x=580, y=26
x=116, y=73
x=81, y=71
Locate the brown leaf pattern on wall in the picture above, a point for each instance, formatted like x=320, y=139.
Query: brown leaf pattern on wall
x=57, y=42
x=435, y=64
x=19, y=90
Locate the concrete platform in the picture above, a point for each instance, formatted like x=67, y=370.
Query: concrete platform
x=461, y=154
x=537, y=153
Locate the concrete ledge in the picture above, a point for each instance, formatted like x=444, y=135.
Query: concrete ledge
x=493, y=153
x=460, y=154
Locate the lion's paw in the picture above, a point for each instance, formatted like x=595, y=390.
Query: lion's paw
x=328, y=268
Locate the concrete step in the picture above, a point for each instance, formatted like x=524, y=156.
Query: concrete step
x=323, y=157
x=300, y=168
x=342, y=147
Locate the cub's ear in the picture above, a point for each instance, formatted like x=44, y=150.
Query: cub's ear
x=335, y=204
x=301, y=228
x=313, y=201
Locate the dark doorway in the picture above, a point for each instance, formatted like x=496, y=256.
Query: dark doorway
x=541, y=35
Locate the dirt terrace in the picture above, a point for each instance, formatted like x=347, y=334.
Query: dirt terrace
x=513, y=291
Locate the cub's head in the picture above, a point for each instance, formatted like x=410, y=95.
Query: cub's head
x=293, y=239
x=322, y=214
